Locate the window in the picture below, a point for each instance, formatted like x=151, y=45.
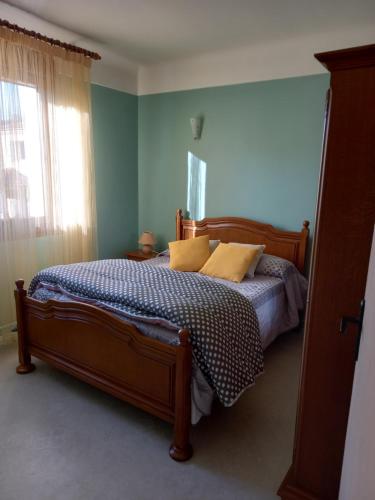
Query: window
x=196, y=187
x=47, y=192
x=21, y=169
x=17, y=150
x=43, y=163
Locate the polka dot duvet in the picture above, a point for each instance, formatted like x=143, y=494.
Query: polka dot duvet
x=223, y=324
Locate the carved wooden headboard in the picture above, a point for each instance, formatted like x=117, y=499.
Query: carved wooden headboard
x=287, y=244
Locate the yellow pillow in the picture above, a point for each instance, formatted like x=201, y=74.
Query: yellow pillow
x=229, y=262
x=189, y=255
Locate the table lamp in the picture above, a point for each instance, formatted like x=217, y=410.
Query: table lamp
x=148, y=241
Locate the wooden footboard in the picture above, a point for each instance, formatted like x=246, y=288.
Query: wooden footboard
x=111, y=354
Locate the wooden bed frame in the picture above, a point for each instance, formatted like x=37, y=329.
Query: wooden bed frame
x=107, y=352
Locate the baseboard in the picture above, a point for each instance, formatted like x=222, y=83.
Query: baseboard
x=7, y=336
x=289, y=491
x=8, y=328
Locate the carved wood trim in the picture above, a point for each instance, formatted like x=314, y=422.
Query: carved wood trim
x=287, y=244
x=95, y=346
x=103, y=382
x=355, y=57
x=94, y=316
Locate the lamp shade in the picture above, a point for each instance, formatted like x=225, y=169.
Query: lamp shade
x=147, y=238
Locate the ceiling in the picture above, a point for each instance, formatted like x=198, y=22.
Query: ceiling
x=154, y=31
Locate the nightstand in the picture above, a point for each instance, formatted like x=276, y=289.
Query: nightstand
x=139, y=255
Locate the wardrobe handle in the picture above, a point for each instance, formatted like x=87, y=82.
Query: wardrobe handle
x=357, y=320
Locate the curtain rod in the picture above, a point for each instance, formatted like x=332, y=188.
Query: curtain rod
x=51, y=41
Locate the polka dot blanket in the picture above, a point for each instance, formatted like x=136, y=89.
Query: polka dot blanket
x=223, y=325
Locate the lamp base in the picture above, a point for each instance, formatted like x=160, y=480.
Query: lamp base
x=147, y=249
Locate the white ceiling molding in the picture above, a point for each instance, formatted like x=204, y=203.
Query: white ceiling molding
x=266, y=61
x=259, y=61
x=112, y=70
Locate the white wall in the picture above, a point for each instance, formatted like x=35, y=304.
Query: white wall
x=358, y=479
x=112, y=70
x=266, y=61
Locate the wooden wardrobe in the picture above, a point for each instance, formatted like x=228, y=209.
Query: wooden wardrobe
x=341, y=250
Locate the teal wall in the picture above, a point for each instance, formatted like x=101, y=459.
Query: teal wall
x=115, y=139
x=261, y=141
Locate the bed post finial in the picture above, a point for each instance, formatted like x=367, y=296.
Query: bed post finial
x=184, y=337
x=19, y=284
x=179, y=220
x=302, y=247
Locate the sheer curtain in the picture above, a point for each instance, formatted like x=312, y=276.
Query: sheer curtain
x=47, y=204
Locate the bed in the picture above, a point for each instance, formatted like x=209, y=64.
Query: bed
x=114, y=354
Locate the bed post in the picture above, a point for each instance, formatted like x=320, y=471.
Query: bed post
x=301, y=265
x=179, y=220
x=181, y=449
x=24, y=357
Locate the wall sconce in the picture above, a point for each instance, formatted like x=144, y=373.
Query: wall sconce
x=196, y=126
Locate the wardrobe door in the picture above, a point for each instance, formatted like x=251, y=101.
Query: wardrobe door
x=344, y=226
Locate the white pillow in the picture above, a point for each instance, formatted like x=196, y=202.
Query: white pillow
x=213, y=244
x=250, y=272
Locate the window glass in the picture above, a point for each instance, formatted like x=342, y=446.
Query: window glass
x=21, y=172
